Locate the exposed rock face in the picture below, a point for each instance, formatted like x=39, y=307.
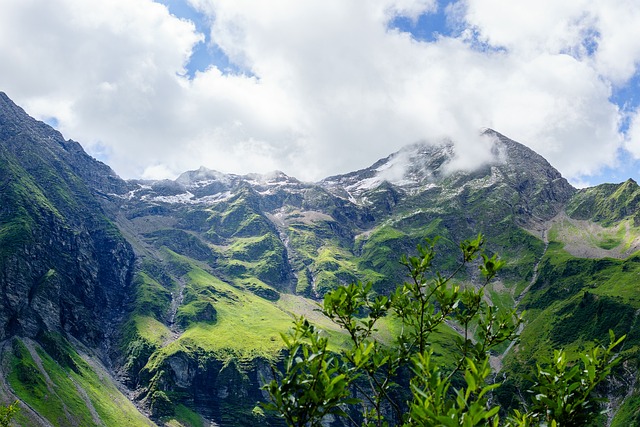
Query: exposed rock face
x=222, y=390
x=63, y=265
x=542, y=191
x=272, y=233
x=522, y=178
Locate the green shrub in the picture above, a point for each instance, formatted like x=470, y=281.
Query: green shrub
x=360, y=382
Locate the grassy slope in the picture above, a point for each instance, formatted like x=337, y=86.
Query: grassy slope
x=247, y=325
x=68, y=390
x=573, y=304
x=243, y=247
x=49, y=196
x=607, y=203
x=247, y=328
x=29, y=205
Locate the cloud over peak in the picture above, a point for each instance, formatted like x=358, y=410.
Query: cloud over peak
x=322, y=87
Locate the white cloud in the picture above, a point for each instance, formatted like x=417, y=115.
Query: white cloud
x=529, y=27
x=632, y=142
x=327, y=88
x=618, y=56
x=607, y=31
x=156, y=172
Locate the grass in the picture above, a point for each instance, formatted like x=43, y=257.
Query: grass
x=243, y=337
x=499, y=298
x=247, y=325
x=250, y=248
x=151, y=329
x=144, y=330
x=628, y=413
x=326, y=261
x=606, y=203
x=262, y=257
x=388, y=327
x=618, y=235
x=258, y=287
x=63, y=395
x=184, y=417
x=151, y=297
x=237, y=218
x=111, y=405
x=302, y=284
x=607, y=277
x=28, y=383
x=574, y=304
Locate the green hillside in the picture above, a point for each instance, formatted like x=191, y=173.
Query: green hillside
x=162, y=302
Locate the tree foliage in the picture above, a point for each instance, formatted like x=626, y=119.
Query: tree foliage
x=7, y=413
x=360, y=381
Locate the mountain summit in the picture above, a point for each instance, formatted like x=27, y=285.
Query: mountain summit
x=422, y=167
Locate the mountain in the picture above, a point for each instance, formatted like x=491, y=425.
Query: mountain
x=167, y=298
x=65, y=273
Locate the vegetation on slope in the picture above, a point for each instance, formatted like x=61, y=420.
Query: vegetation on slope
x=573, y=304
x=65, y=388
x=607, y=203
x=209, y=276
x=362, y=382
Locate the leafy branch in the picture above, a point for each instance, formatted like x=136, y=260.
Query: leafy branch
x=364, y=373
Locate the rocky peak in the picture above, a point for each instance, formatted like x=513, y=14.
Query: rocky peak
x=202, y=177
x=542, y=190
x=203, y=185
x=422, y=166
x=414, y=167
x=518, y=158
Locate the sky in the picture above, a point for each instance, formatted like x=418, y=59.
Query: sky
x=316, y=88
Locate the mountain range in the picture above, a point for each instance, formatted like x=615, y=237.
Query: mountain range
x=162, y=302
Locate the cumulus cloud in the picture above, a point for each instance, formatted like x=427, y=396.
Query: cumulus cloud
x=323, y=87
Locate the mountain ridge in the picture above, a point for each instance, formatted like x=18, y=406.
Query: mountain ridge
x=181, y=287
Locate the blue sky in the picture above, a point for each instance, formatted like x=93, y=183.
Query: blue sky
x=205, y=53
x=316, y=88
x=427, y=26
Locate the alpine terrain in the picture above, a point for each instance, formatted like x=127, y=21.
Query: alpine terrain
x=141, y=303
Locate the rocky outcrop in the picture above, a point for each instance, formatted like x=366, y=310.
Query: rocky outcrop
x=220, y=388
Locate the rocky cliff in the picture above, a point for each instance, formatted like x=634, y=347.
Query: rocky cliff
x=65, y=267
x=65, y=274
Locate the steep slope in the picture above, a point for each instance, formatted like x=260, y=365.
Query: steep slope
x=421, y=196
x=69, y=269
x=65, y=271
x=587, y=285
x=216, y=253
x=607, y=204
x=533, y=189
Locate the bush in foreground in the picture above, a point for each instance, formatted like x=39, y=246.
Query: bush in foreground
x=360, y=382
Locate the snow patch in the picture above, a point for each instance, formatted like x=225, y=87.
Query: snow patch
x=178, y=198
x=189, y=198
